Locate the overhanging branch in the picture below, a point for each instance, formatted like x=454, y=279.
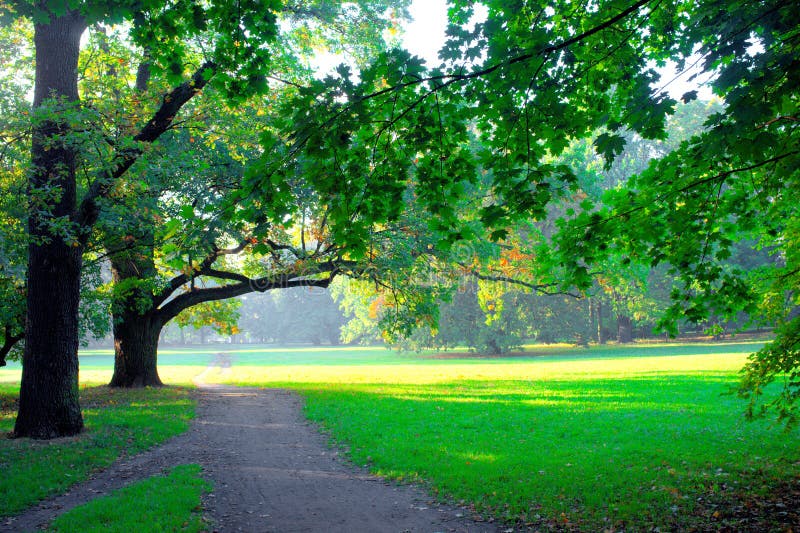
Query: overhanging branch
x=203, y=268
x=442, y=81
x=88, y=210
x=452, y=78
x=198, y=296
x=720, y=177
x=541, y=288
x=221, y=274
x=9, y=341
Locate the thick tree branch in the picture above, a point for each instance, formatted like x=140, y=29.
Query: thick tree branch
x=198, y=296
x=9, y=341
x=304, y=277
x=88, y=210
x=179, y=280
x=221, y=274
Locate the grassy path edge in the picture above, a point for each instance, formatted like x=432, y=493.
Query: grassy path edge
x=130, y=435
x=170, y=502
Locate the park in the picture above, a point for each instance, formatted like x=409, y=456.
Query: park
x=330, y=266
x=632, y=437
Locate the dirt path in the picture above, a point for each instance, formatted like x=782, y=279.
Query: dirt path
x=272, y=471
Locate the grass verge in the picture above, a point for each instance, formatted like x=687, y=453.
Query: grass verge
x=117, y=422
x=159, y=503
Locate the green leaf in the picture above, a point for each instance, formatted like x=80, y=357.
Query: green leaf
x=609, y=146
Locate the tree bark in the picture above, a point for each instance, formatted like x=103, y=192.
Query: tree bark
x=48, y=403
x=136, y=350
x=624, y=329
x=137, y=325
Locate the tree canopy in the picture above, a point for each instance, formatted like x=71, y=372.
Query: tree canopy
x=88, y=159
x=386, y=168
x=530, y=80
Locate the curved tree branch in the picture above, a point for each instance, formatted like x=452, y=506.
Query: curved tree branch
x=9, y=341
x=179, y=280
x=221, y=274
x=88, y=210
x=198, y=296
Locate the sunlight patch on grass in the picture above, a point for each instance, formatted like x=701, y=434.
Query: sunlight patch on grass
x=606, y=438
x=268, y=364
x=443, y=372
x=633, y=462
x=475, y=457
x=596, y=441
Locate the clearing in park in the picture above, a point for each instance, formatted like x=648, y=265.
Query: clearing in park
x=631, y=437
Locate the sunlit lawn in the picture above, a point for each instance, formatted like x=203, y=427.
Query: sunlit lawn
x=636, y=436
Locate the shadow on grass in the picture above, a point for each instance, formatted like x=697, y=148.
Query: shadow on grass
x=118, y=422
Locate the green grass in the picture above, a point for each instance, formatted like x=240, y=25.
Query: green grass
x=159, y=503
x=636, y=452
x=634, y=437
x=117, y=422
x=637, y=436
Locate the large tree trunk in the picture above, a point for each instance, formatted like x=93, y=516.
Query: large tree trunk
x=136, y=330
x=136, y=350
x=48, y=403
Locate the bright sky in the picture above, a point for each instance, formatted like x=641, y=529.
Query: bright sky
x=424, y=36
